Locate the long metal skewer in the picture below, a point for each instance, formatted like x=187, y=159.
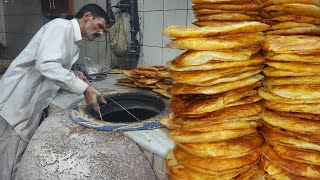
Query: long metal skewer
x=124, y=109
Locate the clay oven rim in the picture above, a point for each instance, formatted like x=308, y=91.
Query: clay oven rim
x=89, y=121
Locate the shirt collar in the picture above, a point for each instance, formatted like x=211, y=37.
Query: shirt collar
x=76, y=29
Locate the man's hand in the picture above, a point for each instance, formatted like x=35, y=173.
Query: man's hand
x=93, y=98
x=81, y=76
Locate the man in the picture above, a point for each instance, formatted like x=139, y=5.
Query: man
x=35, y=76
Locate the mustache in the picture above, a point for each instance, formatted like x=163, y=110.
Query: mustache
x=96, y=34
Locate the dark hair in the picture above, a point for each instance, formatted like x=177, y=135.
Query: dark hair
x=95, y=10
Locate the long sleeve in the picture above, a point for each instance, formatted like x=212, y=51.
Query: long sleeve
x=53, y=55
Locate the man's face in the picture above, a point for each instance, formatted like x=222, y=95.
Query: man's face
x=94, y=27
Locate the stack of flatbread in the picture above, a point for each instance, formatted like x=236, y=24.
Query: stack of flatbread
x=215, y=110
x=291, y=91
x=156, y=78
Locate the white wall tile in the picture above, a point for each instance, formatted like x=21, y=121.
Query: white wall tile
x=77, y=5
x=152, y=56
x=153, y=26
x=175, y=4
x=1, y=8
x=173, y=17
x=170, y=54
x=190, y=18
x=102, y=3
x=190, y=4
x=90, y=1
x=140, y=5
x=153, y=5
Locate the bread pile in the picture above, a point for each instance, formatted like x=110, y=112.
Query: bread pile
x=215, y=107
x=291, y=91
x=156, y=78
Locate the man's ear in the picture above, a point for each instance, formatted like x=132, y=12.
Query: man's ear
x=87, y=15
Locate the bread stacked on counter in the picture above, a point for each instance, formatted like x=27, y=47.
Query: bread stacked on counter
x=215, y=107
x=156, y=78
x=291, y=91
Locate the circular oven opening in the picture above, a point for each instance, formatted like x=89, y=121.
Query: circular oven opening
x=129, y=107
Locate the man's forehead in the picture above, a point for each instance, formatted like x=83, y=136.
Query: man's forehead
x=101, y=21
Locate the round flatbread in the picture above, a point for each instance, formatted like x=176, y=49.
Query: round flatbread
x=219, y=42
x=191, y=58
x=293, y=57
x=275, y=171
x=266, y=94
x=312, y=108
x=177, y=171
x=297, y=168
x=211, y=136
x=227, y=149
x=301, y=91
x=218, y=88
x=273, y=136
x=298, y=44
x=294, y=124
x=207, y=31
x=299, y=155
x=204, y=165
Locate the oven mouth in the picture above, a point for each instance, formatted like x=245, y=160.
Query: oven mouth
x=128, y=108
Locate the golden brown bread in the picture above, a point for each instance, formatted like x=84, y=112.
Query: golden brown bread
x=223, y=1
x=190, y=58
x=247, y=7
x=296, y=18
x=205, y=126
x=202, y=76
x=312, y=31
x=266, y=94
x=253, y=61
x=207, y=31
x=294, y=124
x=210, y=136
x=315, y=138
x=275, y=171
x=220, y=42
x=296, y=9
x=215, y=89
x=214, y=166
x=291, y=80
x=248, y=174
x=273, y=137
x=214, y=22
x=298, y=155
x=295, y=66
x=217, y=11
x=299, y=44
x=178, y=172
x=274, y=2
x=301, y=91
x=300, y=169
x=197, y=108
x=288, y=25
x=226, y=149
x=271, y=71
x=293, y=57
x=301, y=115
x=232, y=16
x=313, y=108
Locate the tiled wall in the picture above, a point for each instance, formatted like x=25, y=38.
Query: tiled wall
x=156, y=15
x=23, y=18
x=3, y=40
